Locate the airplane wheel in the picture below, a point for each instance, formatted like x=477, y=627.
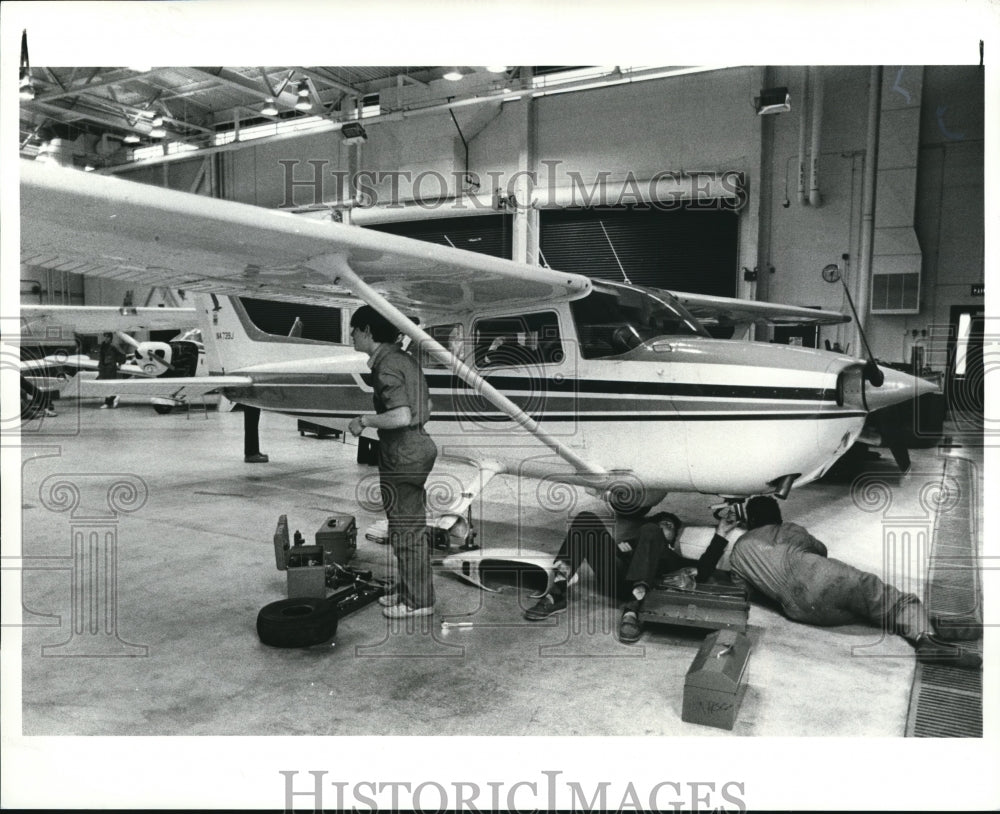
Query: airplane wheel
x=299, y=622
x=163, y=409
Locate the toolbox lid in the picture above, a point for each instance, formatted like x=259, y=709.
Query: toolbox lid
x=336, y=523
x=720, y=662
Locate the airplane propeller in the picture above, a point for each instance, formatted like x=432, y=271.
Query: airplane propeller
x=151, y=364
x=887, y=419
x=831, y=273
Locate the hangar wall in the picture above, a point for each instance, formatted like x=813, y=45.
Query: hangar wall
x=703, y=121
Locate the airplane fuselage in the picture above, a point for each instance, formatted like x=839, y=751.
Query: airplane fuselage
x=681, y=414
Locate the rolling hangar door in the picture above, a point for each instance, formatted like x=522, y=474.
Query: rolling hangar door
x=486, y=234
x=684, y=237
x=682, y=249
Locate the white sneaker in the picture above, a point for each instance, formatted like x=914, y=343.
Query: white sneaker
x=404, y=611
x=115, y=402
x=394, y=597
x=103, y=407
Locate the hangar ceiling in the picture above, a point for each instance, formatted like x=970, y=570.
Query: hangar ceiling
x=111, y=113
x=115, y=116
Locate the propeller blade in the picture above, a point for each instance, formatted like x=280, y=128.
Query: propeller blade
x=890, y=427
x=128, y=340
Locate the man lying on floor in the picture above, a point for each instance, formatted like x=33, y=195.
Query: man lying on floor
x=780, y=560
x=624, y=570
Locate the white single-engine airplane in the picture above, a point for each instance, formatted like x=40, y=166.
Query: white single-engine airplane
x=534, y=372
x=182, y=356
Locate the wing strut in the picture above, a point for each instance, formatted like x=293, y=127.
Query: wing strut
x=340, y=271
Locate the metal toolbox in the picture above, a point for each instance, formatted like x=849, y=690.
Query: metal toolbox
x=306, y=571
x=716, y=681
x=707, y=605
x=339, y=538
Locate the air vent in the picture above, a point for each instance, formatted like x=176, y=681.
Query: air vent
x=895, y=293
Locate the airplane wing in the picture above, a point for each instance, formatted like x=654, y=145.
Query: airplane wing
x=177, y=389
x=87, y=319
x=711, y=310
x=108, y=227
x=77, y=361
x=73, y=360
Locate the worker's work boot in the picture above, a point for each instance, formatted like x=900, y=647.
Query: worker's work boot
x=933, y=650
x=952, y=629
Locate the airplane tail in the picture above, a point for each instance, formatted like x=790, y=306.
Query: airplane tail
x=233, y=342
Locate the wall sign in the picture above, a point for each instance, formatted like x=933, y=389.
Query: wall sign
x=978, y=290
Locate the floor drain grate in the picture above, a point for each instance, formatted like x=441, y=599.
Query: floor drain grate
x=947, y=702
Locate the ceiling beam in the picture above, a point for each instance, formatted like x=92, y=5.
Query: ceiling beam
x=333, y=83
x=123, y=122
x=87, y=88
x=235, y=80
x=412, y=81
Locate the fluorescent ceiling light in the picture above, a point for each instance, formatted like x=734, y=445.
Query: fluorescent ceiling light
x=453, y=75
x=269, y=109
x=303, y=104
x=496, y=68
x=131, y=138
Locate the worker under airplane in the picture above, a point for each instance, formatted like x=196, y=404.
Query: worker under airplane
x=533, y=372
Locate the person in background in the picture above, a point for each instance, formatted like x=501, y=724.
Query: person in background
x=34, y=401
x=625, y=570
x=785, y=563
x=251, y=436
x=406, y=455
x=109, y=358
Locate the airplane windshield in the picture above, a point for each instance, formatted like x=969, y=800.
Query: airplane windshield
x=613, y=320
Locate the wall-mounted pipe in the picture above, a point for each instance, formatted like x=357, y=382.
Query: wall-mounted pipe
x=868, y=195
x=803, y=107
x=817, y=127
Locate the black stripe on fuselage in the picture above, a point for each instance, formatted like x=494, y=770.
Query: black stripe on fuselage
x=591, y=417
x=617, y=387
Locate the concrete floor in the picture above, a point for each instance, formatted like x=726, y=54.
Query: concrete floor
x=195, y=563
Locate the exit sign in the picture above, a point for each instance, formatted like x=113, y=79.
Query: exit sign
x=978, y=290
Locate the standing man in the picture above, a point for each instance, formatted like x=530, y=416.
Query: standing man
x=406, y=456
x=108, y=360
x=251, y=436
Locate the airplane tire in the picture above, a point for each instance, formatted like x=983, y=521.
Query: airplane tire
x=163, y=409
x=299, y=622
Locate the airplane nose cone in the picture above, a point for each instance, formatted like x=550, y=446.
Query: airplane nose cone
x=897, y=387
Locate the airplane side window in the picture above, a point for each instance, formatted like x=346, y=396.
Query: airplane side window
x=452, y=336
x=517, y=341
x=616, y=321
